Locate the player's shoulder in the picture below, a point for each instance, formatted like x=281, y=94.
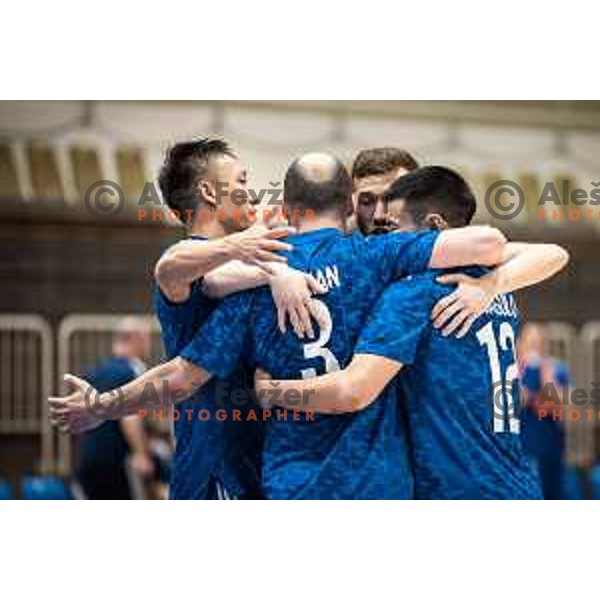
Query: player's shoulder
x=167, y=308
x=413, y=295
x=353, y=239
x=446, y=288
x=382, y=247
x=423, y=284
x=394, y=237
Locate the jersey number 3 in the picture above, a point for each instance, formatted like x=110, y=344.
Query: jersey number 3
x=503, y=405
x=317, y=348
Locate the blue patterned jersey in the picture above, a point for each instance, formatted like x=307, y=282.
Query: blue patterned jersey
x=225, y=450
x=362, y=455
x=463, y=430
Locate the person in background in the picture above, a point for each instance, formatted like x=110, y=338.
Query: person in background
x=160, y=441
x=104, y=451
x=543, y=435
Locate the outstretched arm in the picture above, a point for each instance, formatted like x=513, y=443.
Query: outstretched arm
x=161, y=386
x=522, y=265
x=215, y=349
x=188, y=260
x=349, y=390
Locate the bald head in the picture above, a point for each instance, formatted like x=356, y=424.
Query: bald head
x=318, y=167
x=319, y=182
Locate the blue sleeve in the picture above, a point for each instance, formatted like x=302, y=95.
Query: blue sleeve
x=399, y=320
x=220, y=343
x=561, y=374
x=169, y=309
x=401, y=254
x=531, y=377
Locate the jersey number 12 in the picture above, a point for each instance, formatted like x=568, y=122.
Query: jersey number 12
x=507, y=408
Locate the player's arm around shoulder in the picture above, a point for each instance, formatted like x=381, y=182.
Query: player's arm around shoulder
x=190, y=260
x=523, y=265
x=346, y=391
x=291, y=289
x=471, y=245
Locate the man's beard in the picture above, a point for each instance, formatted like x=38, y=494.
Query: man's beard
x=383, y=227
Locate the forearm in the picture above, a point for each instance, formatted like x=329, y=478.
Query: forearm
x=526, y=265
x=165, y=384
x=237, y=276
x=323, y=394
x=464, y=246
x=186, y=262
x=233, y=277
x=349, y=390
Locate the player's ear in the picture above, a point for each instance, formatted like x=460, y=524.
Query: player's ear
x=435, y=221
x=208, y=192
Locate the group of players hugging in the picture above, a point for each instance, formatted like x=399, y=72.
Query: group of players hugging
x=357, y=341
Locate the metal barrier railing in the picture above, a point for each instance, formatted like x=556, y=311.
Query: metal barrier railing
x=563, y=343
x=83, y=341
x=26, y=376
x=589, y=360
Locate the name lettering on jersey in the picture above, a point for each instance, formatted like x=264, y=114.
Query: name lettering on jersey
x=329, y=278
x=503, y=305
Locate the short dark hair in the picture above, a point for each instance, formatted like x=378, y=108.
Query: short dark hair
x=379, y=161
x=332, y=191
x=185, y=165
x=435, y=189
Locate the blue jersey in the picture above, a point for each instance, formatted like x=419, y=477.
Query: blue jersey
x=207, y=449
x=463, y=427
x=362, y=455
